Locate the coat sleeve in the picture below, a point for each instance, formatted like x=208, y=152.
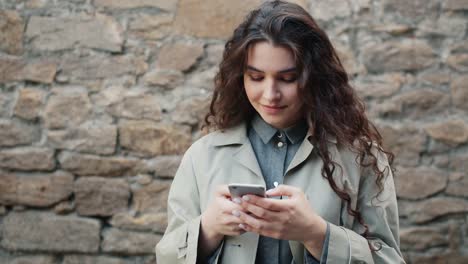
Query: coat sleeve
x=180, y=241
x=380, y=213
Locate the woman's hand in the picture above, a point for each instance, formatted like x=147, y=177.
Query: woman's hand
x=288, y=219
x=217, y=220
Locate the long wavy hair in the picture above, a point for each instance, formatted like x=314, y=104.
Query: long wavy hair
x=332, y=108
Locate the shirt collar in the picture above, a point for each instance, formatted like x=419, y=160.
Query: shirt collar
x=294, y=133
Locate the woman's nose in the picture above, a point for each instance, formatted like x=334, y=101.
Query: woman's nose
x=271, y=92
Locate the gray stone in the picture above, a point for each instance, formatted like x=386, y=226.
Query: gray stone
x=458, y=62
x=81, y=259
x=40, y=190
x=348, y=59
x=140, y=106
x=452, y=132
x=458, y=187
x=459, y=163
x=67, y=107
x=94, y=138
x=328, y=10
x=455, y=5
x=203, y=79
x=32, y=260
x=27, y=158
x=435, y=78
x=64, y=207
x=413, y=10
x=168, y=5
x=128, y=242
x=430, y=209
x=398, y=56
x=418, y=183
x=421, y=103
x=151, y=198
x=393, y=29
x=443, y=26
x=54, y=34
x=11, y=32
x=223, y=16
x=91, y=165
x=165, y=166
x=179, y=56
x=101, y=197
x=151, y=27
x=419, y=238
x=38, y=231
x=452, y=258
x=191, y=111
x=29, y=103
x=14, y=133
x=459, y=89
x=379, y=86
x=156, y=222
x=146, y=138
x=168, y=79
x=35, y=70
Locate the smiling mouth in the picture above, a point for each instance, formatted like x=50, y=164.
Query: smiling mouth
x=275, y=107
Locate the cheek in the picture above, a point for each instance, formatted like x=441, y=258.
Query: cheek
x=251, y=91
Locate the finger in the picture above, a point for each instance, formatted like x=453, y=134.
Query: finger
x=258, y=211
x=266, y=203
x=283, y=190
x=222, y=190
x=256, y=224
x=227, y=206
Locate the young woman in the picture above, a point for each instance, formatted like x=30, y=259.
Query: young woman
x=283, y=113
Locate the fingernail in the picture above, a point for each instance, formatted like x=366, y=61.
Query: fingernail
x=242, y=226
x=246, y=198
x=235, y=213
x=269, y=192
x=237, y=200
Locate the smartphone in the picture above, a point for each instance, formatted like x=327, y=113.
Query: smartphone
x=240, y=189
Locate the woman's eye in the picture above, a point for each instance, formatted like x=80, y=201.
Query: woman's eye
x=255, y=78
x=289, y=80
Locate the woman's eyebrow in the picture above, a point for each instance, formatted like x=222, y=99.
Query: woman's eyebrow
x=288, y=70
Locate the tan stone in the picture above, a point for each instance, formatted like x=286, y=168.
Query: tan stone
x=406, y=142
x=40, y=190
x=452, y=132
x=64, y=207
x=35, y=70
x=458, y=62
x=191, y=111
x=101, y=67
x=394, y=29
x=42, y=231
x=84, y=165
x=455, y=5
x=35, y=4
x=418, y=183
x=413, y=10
x=452, y=258
x=147, y=138
x=53, y=34
x=27, y=158
x=179, y=56
x=14, y=133
x=419, y=238
x=436, y=78
x=156, y=222
x=91, y=137
x=168, y=5
x=31, y=260
x=141, y=106
x=11, y=32
x=427, y=210
x=128, y=242
x=67, y=107
x=168, y=79
x=96, y=196
x=443, y=26
x=151, y=198
x=459, y=89
x=379, y=86
x=328, y=10
x=203, y=79
x=458, y=187
x=348, y=59
x=398, y=55
x=29, y=103
x=81, y=259
x=165, y=166
x=151, y=27
x=421, y=103
x=459, y=163
x=193, y=16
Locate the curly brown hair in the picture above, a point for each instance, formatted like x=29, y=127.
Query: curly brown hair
x=332, y=107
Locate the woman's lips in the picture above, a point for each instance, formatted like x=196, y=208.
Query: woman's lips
x=272, y=109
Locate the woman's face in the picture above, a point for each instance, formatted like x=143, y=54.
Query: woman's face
x=270, y=81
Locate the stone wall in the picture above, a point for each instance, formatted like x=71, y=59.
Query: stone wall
x=100, y=98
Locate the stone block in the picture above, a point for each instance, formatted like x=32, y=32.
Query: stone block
x=418, y=183
x=27, y=158
x=459, y=90
x=129, y=242
x=11, y=32
x=179, y=56
x=13, y=133
x=452, y=132
x=29, y=103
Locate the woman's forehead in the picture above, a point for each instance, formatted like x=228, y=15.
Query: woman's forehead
x=266, y=57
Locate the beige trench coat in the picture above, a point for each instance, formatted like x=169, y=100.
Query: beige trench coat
x=227, y=157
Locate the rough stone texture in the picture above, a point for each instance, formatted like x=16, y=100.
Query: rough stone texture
x=179, y=56
x=140, y=106
x=14, y=133
x=156, y=222
x=151, y=198
x=53, y=34
x=165, y=166
x=458, y=187
x=11, y=32
x=451, y=132
x=101, y=197
x=418, y=183
x=29, y=103
x=39, y=190
x=94, y=138
x=35, y=70
x=411, y=9
x=67, y=107
x=420, y=103
x=380, y=85
x=193, y=16
x=455, y=5
x=191, y=111
x=454, y=258
x=27, y=159
x=80, y=259
x=419, y=238
x=327, y=10
x=459, y=89
x=151, y=27
x=168, y=79
x=168, y=5
x=459, y=163
x=47, y=232
x=445, y=25
x=85, y=165
x=29, y=260
x=458, y=62
x=128, y=242
x=398, y=56
x=148, y=139
x=424, y=211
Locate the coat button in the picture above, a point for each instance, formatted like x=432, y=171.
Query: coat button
x=280, y=144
